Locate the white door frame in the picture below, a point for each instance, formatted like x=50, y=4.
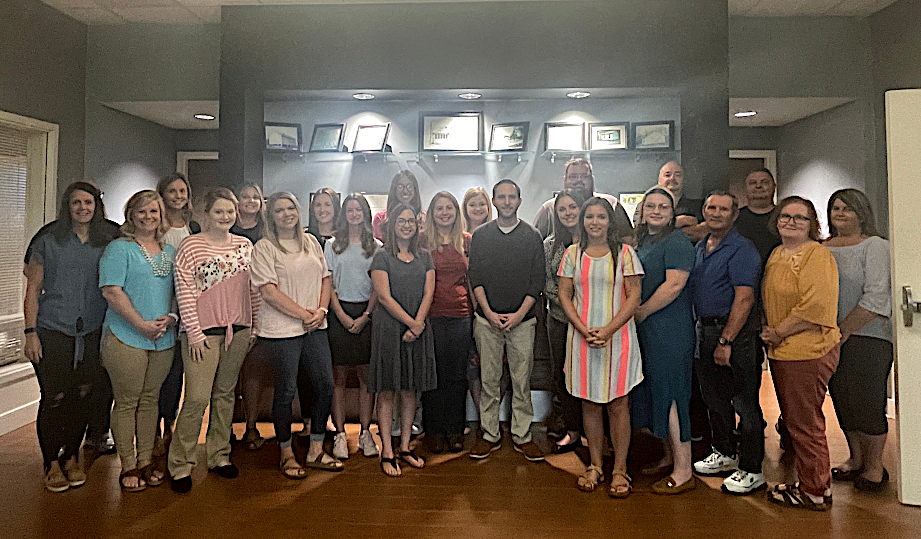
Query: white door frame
x=21, y=394
x=183, y=158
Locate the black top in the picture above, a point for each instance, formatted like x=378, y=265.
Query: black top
x=690, y=206
x=755, y=227
x=507, y=266
x=252, y=234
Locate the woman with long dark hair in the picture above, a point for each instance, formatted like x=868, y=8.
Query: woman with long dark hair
x=402, y=348
x=64, y=311
x=858, y=387
x=404, y=189
x=348, y=256
x=600, y=287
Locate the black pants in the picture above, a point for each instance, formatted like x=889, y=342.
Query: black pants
x=727, y=389
x=100, y=410
x=171, y=390
x=444, y=410
x=858, y=387
x=66, y=392
x=568, y=407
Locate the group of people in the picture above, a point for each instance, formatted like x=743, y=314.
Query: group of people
x=425, y=305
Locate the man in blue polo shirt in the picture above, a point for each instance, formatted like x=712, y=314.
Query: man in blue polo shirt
x=724, y=283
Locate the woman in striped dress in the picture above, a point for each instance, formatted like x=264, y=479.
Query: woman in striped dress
x=600, y=286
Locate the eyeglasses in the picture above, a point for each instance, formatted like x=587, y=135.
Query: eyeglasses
x=652, y=207
x=796, y=218
x=579, y=176
x=404, y=222
x=406, y=187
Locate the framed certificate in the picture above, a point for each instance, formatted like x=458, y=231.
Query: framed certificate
x=564, y=137
x=450, y=131
x=327, y=137
x=371, y=138
x=607, y=136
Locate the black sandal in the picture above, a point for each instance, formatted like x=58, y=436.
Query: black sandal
x=793, y=496
x=147, y=474
x=416, y=462
x=393, y=463
x=132, y=473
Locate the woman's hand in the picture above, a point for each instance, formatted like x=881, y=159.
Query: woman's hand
x=358, y=324
x=599, y=337
x=409, y=336
x=313, y=320
x=197, y=350
x=153, y=329
x=33, y=348
x=417, y=328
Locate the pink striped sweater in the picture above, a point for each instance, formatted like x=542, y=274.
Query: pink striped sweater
x=213, y=286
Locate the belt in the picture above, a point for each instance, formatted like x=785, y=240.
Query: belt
x=713, y=320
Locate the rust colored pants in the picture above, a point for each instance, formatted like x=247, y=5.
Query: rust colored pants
x=801, y=388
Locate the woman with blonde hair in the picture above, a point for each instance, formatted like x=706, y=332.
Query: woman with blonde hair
x=451, y=319
x=477, y=208
x=290, y=271
x=251, y=219
x=139, y=333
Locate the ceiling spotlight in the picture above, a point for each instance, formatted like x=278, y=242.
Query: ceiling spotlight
x=470, y=95
x=578, y=95
x=363, y=96
x=745, y=114
x=206, y=117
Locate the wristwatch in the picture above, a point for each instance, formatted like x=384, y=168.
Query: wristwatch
x=723, y=341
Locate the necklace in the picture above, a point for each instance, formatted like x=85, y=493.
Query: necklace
x=161, y=264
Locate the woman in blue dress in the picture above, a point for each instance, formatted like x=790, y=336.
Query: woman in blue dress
x=661, y=402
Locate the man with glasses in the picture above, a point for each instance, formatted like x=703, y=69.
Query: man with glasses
x=506, y=274
x=723, y=284
x=578, y=177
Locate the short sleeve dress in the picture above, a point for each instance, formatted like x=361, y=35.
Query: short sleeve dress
x=601, y=375
x=667, y=362
x=397, y=365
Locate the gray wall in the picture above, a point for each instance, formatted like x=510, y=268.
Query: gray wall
x=144, y=62
x=42, y=70
x=197, y=140
x=753, y=138
x=614, y=43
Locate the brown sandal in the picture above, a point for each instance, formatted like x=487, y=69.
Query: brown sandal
x=589, y=480
x=291, y=468
x=147, y=474
x=620, y=491
x=132, y=473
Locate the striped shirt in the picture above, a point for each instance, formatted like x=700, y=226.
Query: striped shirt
x=213, y=286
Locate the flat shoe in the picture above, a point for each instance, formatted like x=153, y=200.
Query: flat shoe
x=416, y=462
x=227, y=471
x=589, y=480
x=865, y=485
x=667, y=486
x=620, y=491
x=845, y=475
x=291, y=469
x=393, y=463
x=147, y=474
x=131, y=473
x=792, y=496
x=332, y=466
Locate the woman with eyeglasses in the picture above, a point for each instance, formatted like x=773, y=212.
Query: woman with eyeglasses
x=800, y=293
x=404, y=189
x=64, y=311
x=402, y=346
x=858, y=387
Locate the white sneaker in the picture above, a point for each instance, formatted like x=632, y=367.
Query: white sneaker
x=716, y=463
x=742, y=482
x=367, y=445
x=341, y=446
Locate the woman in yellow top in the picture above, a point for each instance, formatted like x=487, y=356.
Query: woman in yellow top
x=800, y=291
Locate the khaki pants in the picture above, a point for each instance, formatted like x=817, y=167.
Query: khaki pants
x=209, y=381
x=518, y=345
x=136, y=376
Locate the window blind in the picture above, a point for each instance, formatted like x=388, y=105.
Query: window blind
x=12, y=241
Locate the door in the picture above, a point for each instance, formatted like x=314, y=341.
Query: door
x=903, y=140
x=742, y=162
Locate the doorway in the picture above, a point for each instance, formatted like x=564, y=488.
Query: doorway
x=743, y=162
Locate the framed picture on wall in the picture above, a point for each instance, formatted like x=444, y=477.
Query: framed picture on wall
x=450, y=131
x=511, y=137
x=654, y=135
x=564, y=137
x=371, y=138
x=281, y=137
x=607, y=136
x=327, y=137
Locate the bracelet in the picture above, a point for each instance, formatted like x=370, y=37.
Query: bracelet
x=325, y=310
x=28, y=330
x=174, y=316
x=366, y=313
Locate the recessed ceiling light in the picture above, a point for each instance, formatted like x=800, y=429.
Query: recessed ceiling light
x=363, y=96
x=745, y=114
x=469, y=95
x=206, y=117
x=578, y=95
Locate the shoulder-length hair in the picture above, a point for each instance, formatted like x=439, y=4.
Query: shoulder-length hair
x=642, y=229
x=613, y=237
x=393, y=198
x=857, y=202
x=341, y=230
x=165, y=181
x=136, y=202
x=271, y=229
x=390, y=231
x=814, y=233
x=312, y=222
x=65, y=226
x=260, y=215
x=473, y=192
x=562, y=236
x=455, y=234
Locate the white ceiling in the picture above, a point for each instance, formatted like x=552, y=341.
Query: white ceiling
x=209, y=11
x=778, y=111
x=172, y=114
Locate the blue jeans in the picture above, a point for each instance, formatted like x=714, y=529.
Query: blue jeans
x=306, y=358
x=727, y=389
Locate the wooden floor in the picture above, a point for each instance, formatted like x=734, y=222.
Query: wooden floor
x=501, y=497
